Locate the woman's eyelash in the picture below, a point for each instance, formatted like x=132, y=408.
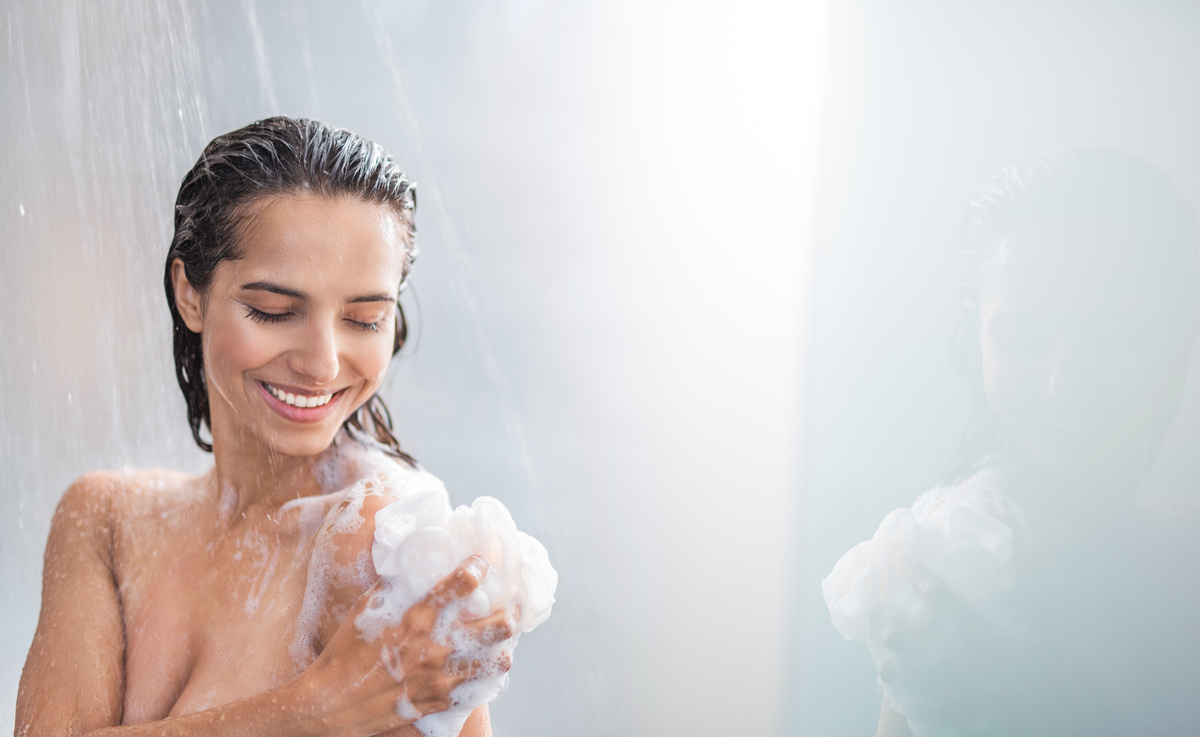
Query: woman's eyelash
x=265, y=317
x=271, y=317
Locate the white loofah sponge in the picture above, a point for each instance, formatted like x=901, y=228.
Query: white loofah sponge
x=418, y=542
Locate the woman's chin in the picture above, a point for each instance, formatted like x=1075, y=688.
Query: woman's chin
x=303, y=444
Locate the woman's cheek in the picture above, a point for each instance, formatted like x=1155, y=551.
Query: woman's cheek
x=245, y=345
x=232, y=346
x=376, y=357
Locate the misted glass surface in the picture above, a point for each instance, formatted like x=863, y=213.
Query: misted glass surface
x=1045, y=588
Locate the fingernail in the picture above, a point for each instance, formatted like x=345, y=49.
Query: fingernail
x=478, y=565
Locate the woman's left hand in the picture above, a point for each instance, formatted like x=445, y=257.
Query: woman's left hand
x=942, y=663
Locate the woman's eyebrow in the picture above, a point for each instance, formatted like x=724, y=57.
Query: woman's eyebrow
x=372, y=298
x=266, y=286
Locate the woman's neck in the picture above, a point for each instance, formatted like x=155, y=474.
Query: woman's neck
x=249, y=476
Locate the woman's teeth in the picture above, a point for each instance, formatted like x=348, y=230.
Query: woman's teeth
x=298, y=401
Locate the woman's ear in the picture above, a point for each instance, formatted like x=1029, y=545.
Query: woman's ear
x=187, y=299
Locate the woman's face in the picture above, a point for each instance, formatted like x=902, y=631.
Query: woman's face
x=298, y=332
x=1084, y=352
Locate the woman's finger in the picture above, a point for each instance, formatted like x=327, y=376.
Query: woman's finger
x=422, y=616
x=461, y=582
x=490, y=662
x=496, y=627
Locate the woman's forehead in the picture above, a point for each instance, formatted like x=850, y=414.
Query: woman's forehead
x=1074, y=266
x=323, y=239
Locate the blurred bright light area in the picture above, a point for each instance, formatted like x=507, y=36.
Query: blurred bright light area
x=611, y=301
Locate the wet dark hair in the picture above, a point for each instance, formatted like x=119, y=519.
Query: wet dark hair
x=236, y=171
x=1078, y=184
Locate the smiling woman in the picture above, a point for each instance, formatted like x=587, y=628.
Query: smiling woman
x=185, y=604
x=303, y=319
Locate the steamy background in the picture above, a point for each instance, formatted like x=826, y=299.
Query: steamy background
x=686, y=283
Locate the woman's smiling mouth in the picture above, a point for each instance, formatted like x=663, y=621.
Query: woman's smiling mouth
x=298, y=400
x=299, y=407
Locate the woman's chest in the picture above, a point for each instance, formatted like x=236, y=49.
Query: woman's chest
x=209, y=622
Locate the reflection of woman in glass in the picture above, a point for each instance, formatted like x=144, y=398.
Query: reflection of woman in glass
x=225, y=602
x=1031, y=594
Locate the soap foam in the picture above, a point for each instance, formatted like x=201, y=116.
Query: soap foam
x=347, y=474
x=324, y=570
x=418, y=542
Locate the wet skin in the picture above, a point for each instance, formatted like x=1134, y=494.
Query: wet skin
x=174, y=597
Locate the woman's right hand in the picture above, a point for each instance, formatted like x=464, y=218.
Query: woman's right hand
x=943, y=664
x=353, y=689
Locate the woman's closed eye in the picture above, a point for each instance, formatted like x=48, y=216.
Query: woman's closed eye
x=268, y=318
x=372, y=326
x=264, y=317
x=366, y=317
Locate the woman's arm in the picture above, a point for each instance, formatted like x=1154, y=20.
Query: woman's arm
x=73, y=681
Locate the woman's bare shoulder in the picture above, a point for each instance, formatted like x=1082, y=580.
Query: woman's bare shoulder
x=116, y=491
x=362, y=479
x=349, y=524
x=341, y=568
x=100, y=502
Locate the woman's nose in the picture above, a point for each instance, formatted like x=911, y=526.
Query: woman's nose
x=316, y=358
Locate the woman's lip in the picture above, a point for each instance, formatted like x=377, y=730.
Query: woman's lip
x=299, y=414
x=298, y=391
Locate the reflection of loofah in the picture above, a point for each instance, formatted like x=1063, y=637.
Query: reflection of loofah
x=957, y=535
x=418, y=542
